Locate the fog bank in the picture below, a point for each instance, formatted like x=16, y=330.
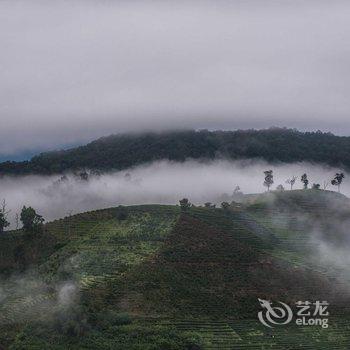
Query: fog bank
x=72, y=71
x=160, y=182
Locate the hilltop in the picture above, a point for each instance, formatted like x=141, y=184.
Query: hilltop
x=118, y=152
x=159, y=277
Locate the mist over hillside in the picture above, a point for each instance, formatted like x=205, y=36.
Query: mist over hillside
x=163, y=182
x=174, y=175
x=156, y=271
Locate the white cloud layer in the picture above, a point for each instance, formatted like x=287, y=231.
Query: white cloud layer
x=160, y=182
x=74, y=70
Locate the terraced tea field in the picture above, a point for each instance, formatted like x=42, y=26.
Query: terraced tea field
x=156, y=277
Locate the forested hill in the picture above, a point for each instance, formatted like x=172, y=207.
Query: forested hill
x=122, y=151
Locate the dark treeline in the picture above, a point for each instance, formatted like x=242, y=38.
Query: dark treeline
x=118, y=152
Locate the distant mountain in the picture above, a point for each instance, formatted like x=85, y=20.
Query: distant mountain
x=17, y=157
x=118, y=152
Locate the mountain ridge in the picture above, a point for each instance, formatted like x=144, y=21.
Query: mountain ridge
x=118, y=152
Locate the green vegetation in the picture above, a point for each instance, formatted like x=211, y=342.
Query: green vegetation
x=113, y=336
x=3, y=217
x=305, y=181
x=32, y=222
x=123, y=151
x=338, y=179
x=185, y=205
x=268, y=179
x=159, y=277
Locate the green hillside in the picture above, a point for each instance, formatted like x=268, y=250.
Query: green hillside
x=158, y=277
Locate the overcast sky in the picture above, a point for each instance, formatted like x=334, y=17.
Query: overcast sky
x=71, y=71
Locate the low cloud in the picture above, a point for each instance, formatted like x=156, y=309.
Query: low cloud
x=67, y=294
x=73, y=71
x=161, y=182
x=28, y=296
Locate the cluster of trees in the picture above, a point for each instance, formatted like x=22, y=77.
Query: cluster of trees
x=32, y=222
x=185, y=205
x=337, y=180
x=268, y=181
x=79, y=175
x=118, y=152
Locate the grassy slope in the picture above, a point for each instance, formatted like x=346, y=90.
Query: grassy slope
x=201, y=271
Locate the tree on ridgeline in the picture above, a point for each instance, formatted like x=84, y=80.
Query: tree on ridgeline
x=84, y=176
x=81, y=175
x=237, y=194
x=316, y=186
x=338, y=179
x=32, y=222
x=291, y=182
x=280, y=188
x=305, y=181
x=268, y=179
x=17, y=221
x=237, y=190
x=185, y=204
x=3, y=217
x=209, y=205
x=225, y=205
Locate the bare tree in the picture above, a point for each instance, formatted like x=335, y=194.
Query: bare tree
x=4, y=206
x=291, y=182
